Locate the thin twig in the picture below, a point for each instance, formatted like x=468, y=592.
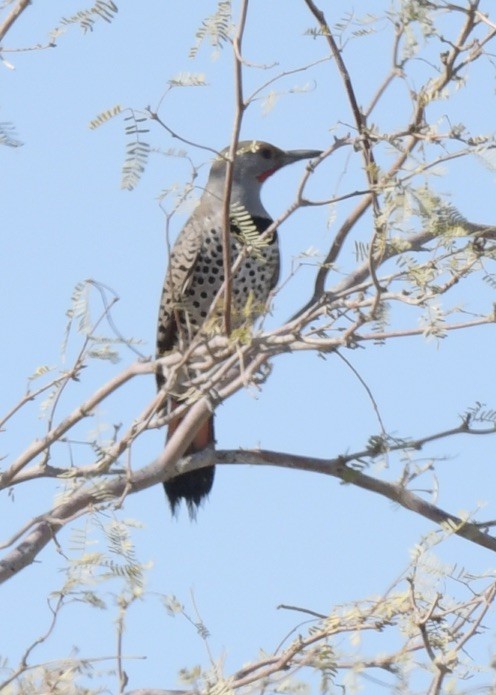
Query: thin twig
x=155, y=117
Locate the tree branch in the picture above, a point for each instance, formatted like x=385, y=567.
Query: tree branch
x=13, y=16
x=165, y=468
x=226, y=209
x=337, y=468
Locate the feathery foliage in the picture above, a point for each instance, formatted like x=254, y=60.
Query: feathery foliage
x=244, y=227
x=8, y=136
x=188, y=79
x=216, y=28
x=393, y=265
x=137, y=151
x=105, y=116
x=102, y=9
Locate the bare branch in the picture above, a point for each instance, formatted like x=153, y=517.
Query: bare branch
x=226, y=209
x=13, y=16
x=338, y=468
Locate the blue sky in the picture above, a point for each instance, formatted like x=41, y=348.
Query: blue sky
x=266, y=536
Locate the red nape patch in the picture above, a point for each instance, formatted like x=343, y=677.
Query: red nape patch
x=263, y=177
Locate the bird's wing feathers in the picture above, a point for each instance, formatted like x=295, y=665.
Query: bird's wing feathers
x=182, y=262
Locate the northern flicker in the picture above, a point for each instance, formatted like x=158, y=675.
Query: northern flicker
x=196, y=273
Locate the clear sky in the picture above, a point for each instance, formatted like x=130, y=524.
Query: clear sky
x=266, y=536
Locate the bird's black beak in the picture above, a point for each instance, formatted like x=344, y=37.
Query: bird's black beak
x=295, y=155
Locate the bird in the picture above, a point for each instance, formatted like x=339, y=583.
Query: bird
x=195, y=275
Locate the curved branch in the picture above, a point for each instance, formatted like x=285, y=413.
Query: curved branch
x=169, y=464
x=13, y=16
x=337, y=468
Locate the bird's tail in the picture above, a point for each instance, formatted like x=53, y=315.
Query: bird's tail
x=193, y=486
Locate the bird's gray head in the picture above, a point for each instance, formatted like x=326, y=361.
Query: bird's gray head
x=255, y=161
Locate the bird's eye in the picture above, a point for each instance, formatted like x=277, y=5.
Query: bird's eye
x=266, y=152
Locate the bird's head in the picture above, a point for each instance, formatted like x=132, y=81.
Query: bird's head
x=256, y=160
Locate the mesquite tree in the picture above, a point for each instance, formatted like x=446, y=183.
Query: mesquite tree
x=401, y=262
